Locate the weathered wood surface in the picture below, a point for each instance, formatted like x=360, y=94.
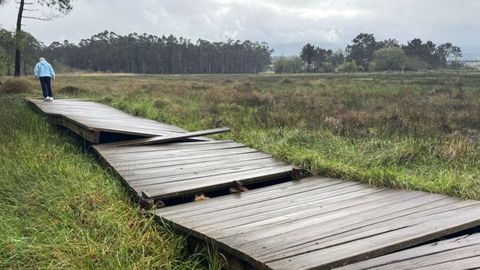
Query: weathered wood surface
x=171, y=138
x=88, y=119
x=320, y=223
x=457, y=253
x=173, y=170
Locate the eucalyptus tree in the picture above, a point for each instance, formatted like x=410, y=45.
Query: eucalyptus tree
x=145, y=53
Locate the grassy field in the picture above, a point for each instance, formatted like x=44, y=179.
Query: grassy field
x=59, y=209
x=412, y=131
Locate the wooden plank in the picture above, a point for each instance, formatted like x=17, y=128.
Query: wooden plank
x=207, y=179
x=159, y=151
x=200, y=168
x=204, y=178
x=194, y=162
x=185, y=172
x=467, y=263
x=428, y=256
x=446, y=256
x=172, y=190
x=115, y=150
x=172, y=137
x=178, y=156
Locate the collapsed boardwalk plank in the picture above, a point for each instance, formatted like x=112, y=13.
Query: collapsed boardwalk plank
x=171, y=138
x=96, y=122
x=319, y=223
x=457, y=253
x=169, y=171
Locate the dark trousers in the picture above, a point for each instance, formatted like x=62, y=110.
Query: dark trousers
x=46, y=83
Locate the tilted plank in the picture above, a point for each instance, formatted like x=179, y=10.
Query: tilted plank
x=166, y=171
x=442, y=252
x=172, y=137
x=181, y=188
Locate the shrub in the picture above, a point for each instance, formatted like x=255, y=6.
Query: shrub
x=388, y=59
x=16, y=86
x=326, y=67
x=350, y=66
x=288, y=65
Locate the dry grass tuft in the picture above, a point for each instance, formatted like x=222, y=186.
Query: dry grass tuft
x=69, y=90
x=16, y=86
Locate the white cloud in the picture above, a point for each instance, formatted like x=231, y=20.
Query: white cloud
x=331, y=23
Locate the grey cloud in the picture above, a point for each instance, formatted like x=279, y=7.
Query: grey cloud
x=284, y=24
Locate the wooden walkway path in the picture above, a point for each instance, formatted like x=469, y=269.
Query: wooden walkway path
x=311, y=223
x=320, y=223
x=98, y=123
x=170, y=171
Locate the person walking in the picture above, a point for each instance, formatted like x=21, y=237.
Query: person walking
x=45, y=73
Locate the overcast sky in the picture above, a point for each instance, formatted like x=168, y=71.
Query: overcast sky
x=284, y=24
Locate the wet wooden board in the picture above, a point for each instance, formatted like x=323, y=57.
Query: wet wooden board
x=173, y=170
x=320, y=223
x=90, y=120
x=457, y=253
x=171, y=138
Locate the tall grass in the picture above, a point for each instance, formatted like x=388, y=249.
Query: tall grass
x=60, y=210
x=413, y=131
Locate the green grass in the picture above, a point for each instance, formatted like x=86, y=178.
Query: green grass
x=60, y=210
x=412, y=131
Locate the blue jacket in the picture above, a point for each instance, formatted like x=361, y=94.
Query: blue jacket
x=43, y=69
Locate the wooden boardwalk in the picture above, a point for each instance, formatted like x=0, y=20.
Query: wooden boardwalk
x=320, y=223
x=311, y=223
x=170, y=171
x=98, y=123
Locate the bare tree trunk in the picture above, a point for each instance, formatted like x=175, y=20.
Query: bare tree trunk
x=18, y=32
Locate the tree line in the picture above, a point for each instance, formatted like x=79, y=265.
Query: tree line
x=365, y=53
x=135, y=53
